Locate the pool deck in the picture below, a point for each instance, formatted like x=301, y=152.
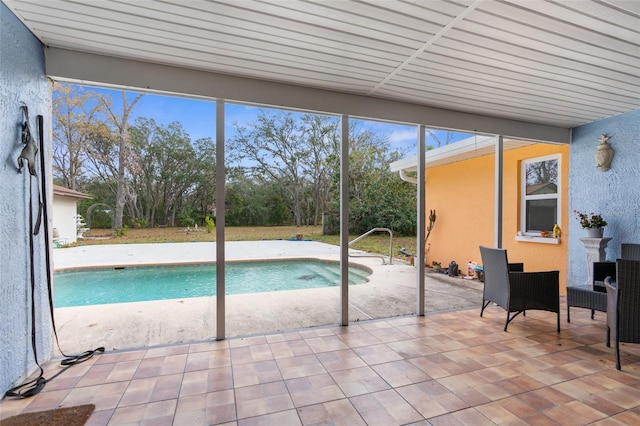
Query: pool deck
x=390, y=292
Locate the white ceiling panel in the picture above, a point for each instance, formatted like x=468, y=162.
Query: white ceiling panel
x=551, y=62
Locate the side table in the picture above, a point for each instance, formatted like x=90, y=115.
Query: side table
x=588, y=296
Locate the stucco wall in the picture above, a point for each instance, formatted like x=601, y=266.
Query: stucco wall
x=22, y=79
x=614, y=193
x=462, y=194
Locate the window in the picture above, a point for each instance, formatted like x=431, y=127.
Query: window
x=540, y=194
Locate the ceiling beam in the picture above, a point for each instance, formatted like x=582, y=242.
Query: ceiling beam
x=135, y=75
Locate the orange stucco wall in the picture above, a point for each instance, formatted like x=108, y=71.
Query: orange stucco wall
x=463, y=196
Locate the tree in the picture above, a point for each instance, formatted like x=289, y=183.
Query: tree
x=121, y=124
x=171, y=171
x=289, y=151
x=322, y=136
x=76, y=122
x=110, y=153
x=378, y=198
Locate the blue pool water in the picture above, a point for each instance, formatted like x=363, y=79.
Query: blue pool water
x=102, y=286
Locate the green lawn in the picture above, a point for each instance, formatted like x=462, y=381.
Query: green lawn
x=376, y=243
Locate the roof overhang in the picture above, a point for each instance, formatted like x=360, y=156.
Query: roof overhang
x=465, y=149
x=61, y=191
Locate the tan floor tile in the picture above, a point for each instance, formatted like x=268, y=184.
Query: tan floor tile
x=553, y=375
x=400, y=373
x=160, y=366
x=520, y=407
x=114, y=357
x=256, y=373
x=283, y=337
x=625, y=396
x=469, y=416
x=313, y=390
x=411, y=348
x=104, y=397
x=155, y=413
x=357, y=339
x=377, y=354
x=389, y=334
x=209, y=345
x=336, y=413
x=574, y=413
x=631, y=417
x=434, y=365
x=262, y=399
x=42, y=401
x=340, y=360
x=316, y=332
x=159, y=388
x=578, y=388
x=358, y=381
x=553, y=395
x=210, y=408
x=498, y=414
x=300, y=366
x=431, y=399
x=290, y=348
x=212, y=380
x=326, y=344
x=249, y=354
x=288, y=418
x=247, y=341
x=100, y=418
x=206, y=360
x=603, y=405
x=166, y=351
x=498, y=373
x=112, y=372
x=385, y=408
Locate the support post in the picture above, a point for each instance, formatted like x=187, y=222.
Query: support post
x=220, y=212
x=497, y=241
x=421, y=223
x=344, y=221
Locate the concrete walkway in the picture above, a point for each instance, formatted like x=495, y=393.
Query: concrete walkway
x=390, y=292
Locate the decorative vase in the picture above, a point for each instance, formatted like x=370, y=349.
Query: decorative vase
x=595, y=232
x=603, y=154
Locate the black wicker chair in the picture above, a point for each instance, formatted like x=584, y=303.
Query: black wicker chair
x=517, y=291
x=623, y=305
x=630, y=251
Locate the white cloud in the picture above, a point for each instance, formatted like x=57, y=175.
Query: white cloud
x=403, y=136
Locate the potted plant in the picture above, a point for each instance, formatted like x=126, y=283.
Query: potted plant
x=593, y=223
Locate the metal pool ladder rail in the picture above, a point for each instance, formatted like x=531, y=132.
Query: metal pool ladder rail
x=369, y=232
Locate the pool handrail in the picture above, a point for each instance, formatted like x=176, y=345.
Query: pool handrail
x=369, y=232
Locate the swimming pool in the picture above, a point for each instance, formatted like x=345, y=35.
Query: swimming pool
x=137, y=284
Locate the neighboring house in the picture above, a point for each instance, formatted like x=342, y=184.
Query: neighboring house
x=65, y=214
x=460, y=182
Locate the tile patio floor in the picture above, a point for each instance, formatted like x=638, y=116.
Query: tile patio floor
x=449, y=368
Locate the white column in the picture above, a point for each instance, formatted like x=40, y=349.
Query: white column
x=220, y=212
x=344, y=221
x=421, y=218
x=595, y=253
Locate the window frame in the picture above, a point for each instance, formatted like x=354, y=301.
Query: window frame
x=524, y=197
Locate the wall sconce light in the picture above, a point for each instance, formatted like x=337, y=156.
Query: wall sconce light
x=603, y=154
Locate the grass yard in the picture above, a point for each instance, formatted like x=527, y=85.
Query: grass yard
x=376, y=243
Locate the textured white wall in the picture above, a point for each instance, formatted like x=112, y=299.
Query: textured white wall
x=614, y=193
x=22, y=79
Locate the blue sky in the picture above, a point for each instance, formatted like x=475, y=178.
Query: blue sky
x=198, y=117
